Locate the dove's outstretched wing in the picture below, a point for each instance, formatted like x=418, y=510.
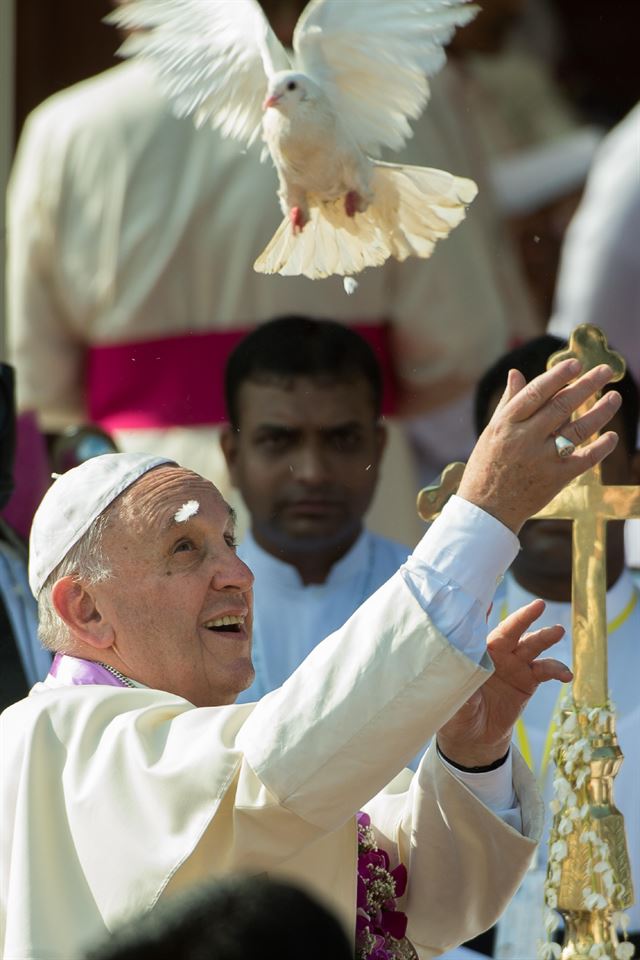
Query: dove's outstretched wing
x=373, y=60
x=214, y=57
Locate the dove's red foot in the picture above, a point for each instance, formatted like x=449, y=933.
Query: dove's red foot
x=298, y=219
x=353, y=203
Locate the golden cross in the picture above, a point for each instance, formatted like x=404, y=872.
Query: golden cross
x=590, y=505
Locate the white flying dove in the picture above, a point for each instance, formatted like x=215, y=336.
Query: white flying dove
x=355, y=78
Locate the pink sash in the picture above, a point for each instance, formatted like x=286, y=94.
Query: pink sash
x=179, y=381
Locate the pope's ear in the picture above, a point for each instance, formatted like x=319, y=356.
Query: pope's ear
x=229, y=444
x=76, y=605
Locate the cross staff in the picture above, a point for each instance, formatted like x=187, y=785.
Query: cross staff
x=590, y=505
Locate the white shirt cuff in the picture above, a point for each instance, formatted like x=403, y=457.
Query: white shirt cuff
x=469, y=546
x=454, y=571
x=494, y=789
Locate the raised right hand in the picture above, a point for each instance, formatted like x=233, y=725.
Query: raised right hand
x=515, y=469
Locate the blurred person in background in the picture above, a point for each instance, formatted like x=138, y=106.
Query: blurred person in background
x=538, y=190
x=23, y=661
x=77, y=444
x=599, y=274
x=131, y=237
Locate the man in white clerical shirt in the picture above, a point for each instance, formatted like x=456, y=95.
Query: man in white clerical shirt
x=542, y=568
x=303, y=447
x=129, y=774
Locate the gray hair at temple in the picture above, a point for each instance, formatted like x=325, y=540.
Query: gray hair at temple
x=84, y=561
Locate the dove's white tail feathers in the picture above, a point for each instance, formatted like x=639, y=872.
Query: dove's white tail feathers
x=414, y=207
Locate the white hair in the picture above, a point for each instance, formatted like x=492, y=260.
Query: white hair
x=85, y=562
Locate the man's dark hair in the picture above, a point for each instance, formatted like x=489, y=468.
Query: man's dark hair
x=531, y=360
x=293, y=346
x=237, y=918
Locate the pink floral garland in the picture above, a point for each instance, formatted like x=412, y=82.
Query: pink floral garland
x=380, y=926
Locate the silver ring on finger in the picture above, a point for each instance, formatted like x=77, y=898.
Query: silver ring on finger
x=564, y=446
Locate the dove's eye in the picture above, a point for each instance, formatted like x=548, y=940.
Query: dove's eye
x=292, y=85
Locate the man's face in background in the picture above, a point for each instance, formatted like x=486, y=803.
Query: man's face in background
x=305, y=459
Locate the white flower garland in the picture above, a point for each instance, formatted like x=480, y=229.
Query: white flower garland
x=572, y=755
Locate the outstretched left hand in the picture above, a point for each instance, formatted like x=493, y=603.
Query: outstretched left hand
x=480, y=732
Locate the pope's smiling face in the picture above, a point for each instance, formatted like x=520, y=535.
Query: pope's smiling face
x=179, y=600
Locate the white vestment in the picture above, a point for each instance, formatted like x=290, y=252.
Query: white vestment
x=112, y=798
x=623, y=617
x=125, y=224
x=291, y=618
x=599, y=275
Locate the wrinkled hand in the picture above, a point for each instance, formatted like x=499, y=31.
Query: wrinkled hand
x=515, y=469
x=480, y=732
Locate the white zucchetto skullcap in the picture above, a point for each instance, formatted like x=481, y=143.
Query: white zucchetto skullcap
x=74, y=501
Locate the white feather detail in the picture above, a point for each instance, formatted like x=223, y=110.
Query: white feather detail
x=414, y=207
x=213, y=58
x=373, y=59
x=186, y=511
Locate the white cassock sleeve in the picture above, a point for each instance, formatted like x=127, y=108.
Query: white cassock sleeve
x=459, y=855
x=345, y=685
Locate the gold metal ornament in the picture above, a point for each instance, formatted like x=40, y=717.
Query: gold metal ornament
x=590, y=505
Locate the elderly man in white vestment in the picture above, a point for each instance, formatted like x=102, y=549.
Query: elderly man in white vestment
x=130, y=774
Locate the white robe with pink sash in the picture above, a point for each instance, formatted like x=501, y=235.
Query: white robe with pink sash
x=131, y=240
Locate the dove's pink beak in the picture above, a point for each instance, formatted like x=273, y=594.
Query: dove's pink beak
x=270, y=101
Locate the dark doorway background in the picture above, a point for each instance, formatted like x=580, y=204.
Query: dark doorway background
x=57, y=44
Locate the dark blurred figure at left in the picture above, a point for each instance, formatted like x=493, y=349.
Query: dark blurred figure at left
x=23, y=662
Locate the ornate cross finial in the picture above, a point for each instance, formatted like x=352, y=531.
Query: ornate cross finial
x=589, y=345
x=432, y=499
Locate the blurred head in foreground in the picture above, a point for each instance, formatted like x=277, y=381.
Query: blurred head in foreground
x=237, y=918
